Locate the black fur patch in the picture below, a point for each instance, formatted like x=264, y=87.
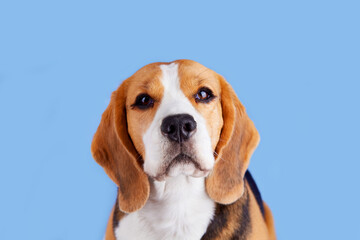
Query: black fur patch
x=218, y=223
x=117, y=214
x=255, y=191
x=236, y=214
x=244, y=227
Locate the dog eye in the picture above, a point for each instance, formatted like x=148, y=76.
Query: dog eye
x=143, y=101
x=204, y=95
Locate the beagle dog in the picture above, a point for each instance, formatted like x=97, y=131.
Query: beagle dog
x=177, y=142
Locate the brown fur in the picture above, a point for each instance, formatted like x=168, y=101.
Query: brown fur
x=109, y=234
x=112, y=148
x=118, y=146
x=269, y=220
x=238, y=140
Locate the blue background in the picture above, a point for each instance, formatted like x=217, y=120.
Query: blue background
x=294, y=65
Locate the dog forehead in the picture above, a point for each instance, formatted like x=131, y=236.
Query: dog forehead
x=194, y=75
x=180, y=77
x=146, y=79
x=170, y=76
x=188, y=76
x=154, y=78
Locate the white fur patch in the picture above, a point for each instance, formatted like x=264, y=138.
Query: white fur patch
x=177, y=209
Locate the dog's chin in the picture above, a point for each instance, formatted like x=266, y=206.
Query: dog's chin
x=182, y=165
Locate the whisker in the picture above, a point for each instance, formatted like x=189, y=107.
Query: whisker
x=220, y=158
x=139, y=155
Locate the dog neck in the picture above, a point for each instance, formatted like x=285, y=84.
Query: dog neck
x=176, y=209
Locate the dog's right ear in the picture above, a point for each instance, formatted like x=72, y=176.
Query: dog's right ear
x=113, y=149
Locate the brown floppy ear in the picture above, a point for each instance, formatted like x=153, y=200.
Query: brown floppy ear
x=113, y=149
x=238, y=141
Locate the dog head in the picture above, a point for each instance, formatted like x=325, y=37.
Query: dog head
x=171, y=119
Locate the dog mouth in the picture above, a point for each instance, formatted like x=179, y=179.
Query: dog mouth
x=182, y=164
x=182, y=159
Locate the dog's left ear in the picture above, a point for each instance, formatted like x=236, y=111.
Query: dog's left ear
x=238, y=141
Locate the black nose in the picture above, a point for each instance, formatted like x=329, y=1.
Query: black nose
x=179, y=127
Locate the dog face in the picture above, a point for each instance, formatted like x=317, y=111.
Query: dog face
x=180, y=118
x=171, y=119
